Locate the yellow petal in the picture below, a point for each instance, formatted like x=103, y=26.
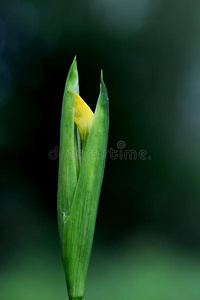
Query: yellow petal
x=83, y=117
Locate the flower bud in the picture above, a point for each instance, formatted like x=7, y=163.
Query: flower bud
x=83, y=118
x=80, y=178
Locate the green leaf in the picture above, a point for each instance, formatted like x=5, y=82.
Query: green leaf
x=68, y=159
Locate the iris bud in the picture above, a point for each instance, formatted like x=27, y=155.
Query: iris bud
x=80, y=178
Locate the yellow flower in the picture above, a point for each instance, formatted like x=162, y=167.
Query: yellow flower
x=83, y=117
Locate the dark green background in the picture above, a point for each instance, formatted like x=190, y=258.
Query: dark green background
x=147, y=241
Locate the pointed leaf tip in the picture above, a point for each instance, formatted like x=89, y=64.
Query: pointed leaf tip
x=74, y=63
x=72, y=78
x=102, y=85
x=103, y=89
x=101, y=75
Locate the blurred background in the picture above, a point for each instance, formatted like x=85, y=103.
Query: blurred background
x=147, y=240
